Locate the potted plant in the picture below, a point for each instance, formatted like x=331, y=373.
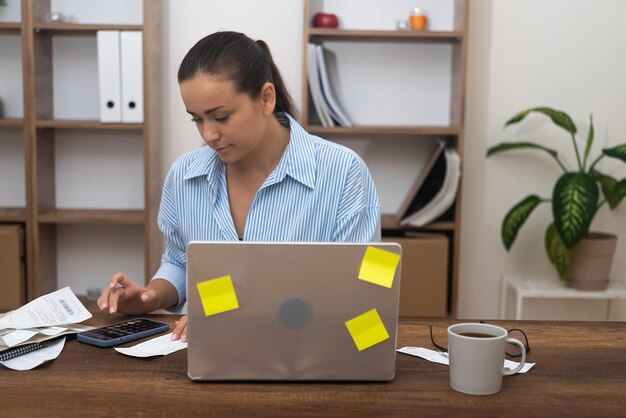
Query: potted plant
x=576, y=197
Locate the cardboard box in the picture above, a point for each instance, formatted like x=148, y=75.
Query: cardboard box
x=424, y=276
x=12, y=270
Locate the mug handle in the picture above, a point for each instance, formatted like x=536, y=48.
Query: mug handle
x=508, y=372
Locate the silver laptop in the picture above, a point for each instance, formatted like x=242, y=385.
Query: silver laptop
x=292, y=311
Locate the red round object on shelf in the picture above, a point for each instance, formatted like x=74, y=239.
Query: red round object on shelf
x=325, y=20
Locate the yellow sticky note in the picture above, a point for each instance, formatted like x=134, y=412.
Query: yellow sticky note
x=367, y=330
x=217, y=295
x=379, y=266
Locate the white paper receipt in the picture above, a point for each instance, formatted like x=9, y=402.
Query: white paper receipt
x=57, y=308
x=159, y=346
x=442, y=358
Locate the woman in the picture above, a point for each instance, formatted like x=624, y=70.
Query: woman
x=260, y=177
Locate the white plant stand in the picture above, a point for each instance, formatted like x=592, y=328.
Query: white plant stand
x=518, y=289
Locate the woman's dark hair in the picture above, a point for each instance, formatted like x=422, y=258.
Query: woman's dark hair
x=234, y=56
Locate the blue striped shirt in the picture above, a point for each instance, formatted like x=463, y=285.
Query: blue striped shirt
x=319, y=192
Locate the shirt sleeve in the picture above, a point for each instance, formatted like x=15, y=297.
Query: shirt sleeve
x=174, y=259
x=358, y=215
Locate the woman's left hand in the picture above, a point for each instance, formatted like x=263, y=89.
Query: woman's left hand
x=180, y=329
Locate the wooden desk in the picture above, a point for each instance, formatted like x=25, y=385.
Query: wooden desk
x=580, y=371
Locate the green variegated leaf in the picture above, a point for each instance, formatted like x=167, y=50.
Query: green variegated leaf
x=619, y=192
x=616, y=152
x=548, y=238
x=559, y=118
x=509, y=146
x=608, y=185
x=574, y=203
x=516, y=217
x=518, y=117
x=589, y=139
x=560, y=253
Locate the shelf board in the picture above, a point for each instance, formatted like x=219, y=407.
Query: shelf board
x=388, y=222
x=384, y=130
x=12, y=215
x=86, y=124
x=385, y=35
x=92, y=216
x=10, y=27
x=11, y=122
x=80, y=27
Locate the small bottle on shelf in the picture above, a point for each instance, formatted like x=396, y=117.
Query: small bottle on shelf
x=418, y=20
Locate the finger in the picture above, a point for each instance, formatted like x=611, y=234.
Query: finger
x=121, y=279
x=183, y=337
x=179, y=328
x=103, y=300
x=115, y=280
x=115, y=295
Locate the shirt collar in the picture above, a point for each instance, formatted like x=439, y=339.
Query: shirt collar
x=298, y=160
x=206, y=164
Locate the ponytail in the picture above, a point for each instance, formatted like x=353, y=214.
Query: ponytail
x=284, y=102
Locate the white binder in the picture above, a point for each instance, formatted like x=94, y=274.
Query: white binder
x=132, y=76
x=109, y=76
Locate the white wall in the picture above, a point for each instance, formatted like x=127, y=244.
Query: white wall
x=565, y=54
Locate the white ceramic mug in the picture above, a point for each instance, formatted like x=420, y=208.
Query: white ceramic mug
x=476, y=353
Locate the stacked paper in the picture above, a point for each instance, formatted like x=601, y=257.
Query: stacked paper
x=446, y=172
x=323, y=97
x=42, y=319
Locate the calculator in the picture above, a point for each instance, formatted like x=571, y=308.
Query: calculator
x=122, y=332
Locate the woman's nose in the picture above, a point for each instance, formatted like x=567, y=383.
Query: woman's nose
x=209, y=133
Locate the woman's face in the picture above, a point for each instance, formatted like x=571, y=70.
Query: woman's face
x=230, y=122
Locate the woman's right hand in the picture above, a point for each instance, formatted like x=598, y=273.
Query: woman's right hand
x=126, y=296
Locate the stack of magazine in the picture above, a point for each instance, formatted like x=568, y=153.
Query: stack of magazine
x=434, y=191
x=323, y=98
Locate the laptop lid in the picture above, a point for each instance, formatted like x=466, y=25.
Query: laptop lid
x=292, y=311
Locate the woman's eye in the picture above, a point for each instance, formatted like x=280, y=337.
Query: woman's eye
x=221, y=118
x=196, y=120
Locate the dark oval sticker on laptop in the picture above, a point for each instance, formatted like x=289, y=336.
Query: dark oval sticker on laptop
x=294, y=313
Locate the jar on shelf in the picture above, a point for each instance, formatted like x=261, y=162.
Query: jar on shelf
x=402, y=25
x=418, y=20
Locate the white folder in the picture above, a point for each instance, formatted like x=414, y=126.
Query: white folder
x=109, y=75
x=132, y=76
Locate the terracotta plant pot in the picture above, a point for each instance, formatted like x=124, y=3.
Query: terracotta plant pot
x=590, y=262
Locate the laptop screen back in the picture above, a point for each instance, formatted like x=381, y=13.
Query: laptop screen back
x=292, y=311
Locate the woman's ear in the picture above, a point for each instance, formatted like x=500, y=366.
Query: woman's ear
x=268, y=98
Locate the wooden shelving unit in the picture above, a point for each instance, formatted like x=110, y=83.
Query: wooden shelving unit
x=389, y=223
x=456, y=39
x=86, y=124
x=12, y=214
x=11, y=123
x=40, y=128
x=385, y=130
x=73, y=27
x=10, y=27
x=92, y=217
x=317, y=34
